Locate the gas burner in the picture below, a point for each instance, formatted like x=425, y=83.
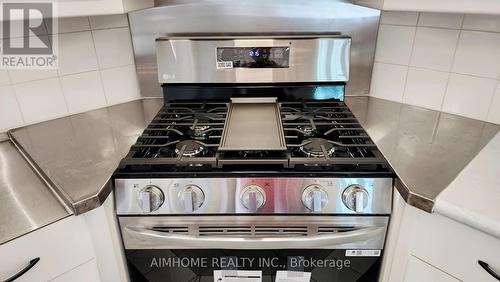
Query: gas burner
x=192, y=148
x=306, y=130
x=199, y=130
x=312, y=147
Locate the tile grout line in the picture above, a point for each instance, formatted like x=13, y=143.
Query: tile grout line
x=451, y=66
x=440, y=27
x=430, y=69
x=490, y=107
x=409, y=60
x=106, y=100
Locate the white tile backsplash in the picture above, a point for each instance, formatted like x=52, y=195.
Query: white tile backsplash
x=120, y=84
x=10, y=115
x=434, y=48
x=394, y=44
x=469, y=96
x=494, y=111
x=478, y=53
x=30, y=96
x=83, y=91
x=112, y=21
x=76, y=53
x=388, y=81
x=399, y=18
x=444, y=20
x=41, y=100
x=425, y=88
x=4, y=77
x=113, y=47
x=73, y=24
x=454, y=62
x=482, y=22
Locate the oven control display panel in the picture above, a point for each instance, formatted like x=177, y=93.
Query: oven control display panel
x=253, y=57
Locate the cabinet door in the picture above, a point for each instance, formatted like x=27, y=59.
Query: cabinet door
x=83, y=273
x=61, y=246
x=418, y=270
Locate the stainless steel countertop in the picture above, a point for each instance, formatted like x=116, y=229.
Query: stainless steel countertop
x=426, y=148
x=78, y=154
x=26, y=203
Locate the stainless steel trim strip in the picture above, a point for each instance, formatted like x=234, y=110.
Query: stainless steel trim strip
x=253, y=35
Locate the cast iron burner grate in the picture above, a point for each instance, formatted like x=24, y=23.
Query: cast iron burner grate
x=319, y=135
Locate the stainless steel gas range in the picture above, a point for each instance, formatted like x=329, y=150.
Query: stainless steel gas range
x=254, y=169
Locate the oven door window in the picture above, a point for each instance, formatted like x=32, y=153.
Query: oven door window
x=199, y=265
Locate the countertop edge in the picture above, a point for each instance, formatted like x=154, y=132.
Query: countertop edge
x=412, y=198
x=73, y=207
x=93, y=200
x=59, y=193
x=467, y=217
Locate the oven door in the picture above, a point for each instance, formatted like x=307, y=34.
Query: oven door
x=331, y=248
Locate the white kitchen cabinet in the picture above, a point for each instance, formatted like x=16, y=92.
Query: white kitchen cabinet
x=418, y=270
x=443, y=6
x=87, y=272
x=76, y=8
x=430, y=245
x=61, y=247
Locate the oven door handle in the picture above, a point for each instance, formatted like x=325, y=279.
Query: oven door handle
x=146, y=235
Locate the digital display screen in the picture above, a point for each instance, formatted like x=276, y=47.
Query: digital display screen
x=253, y=57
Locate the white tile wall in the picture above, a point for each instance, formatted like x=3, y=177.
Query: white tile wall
x=114, y=47
x=469, y=95
x=10, y=116
x=76, y=53
x=425, y=88
x=451, y=62
x=41, y=100
x=104, y=22
x=120, y=84
x=388, y=81
x=440, y=20
x=394, y=44
x=434, y=48
x=399, y=18
x=83, y=91
x=494, y=113
x=96, y=69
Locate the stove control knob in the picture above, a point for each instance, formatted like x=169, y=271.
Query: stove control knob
x=191, y=197
x=150, y=198
x=314, y=198
x=355, y=197
x=253, y=197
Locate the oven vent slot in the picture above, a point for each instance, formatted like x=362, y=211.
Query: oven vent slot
x=281, y=230
x=334, y=229
x=224, y=230
x=254, y=230
x=171, y=229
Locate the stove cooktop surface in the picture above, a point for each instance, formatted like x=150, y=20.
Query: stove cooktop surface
x=322, y=137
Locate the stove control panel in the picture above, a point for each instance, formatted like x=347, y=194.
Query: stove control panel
x=253, y=196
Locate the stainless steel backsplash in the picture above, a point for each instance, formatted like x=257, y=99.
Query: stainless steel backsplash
x=228, y=16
